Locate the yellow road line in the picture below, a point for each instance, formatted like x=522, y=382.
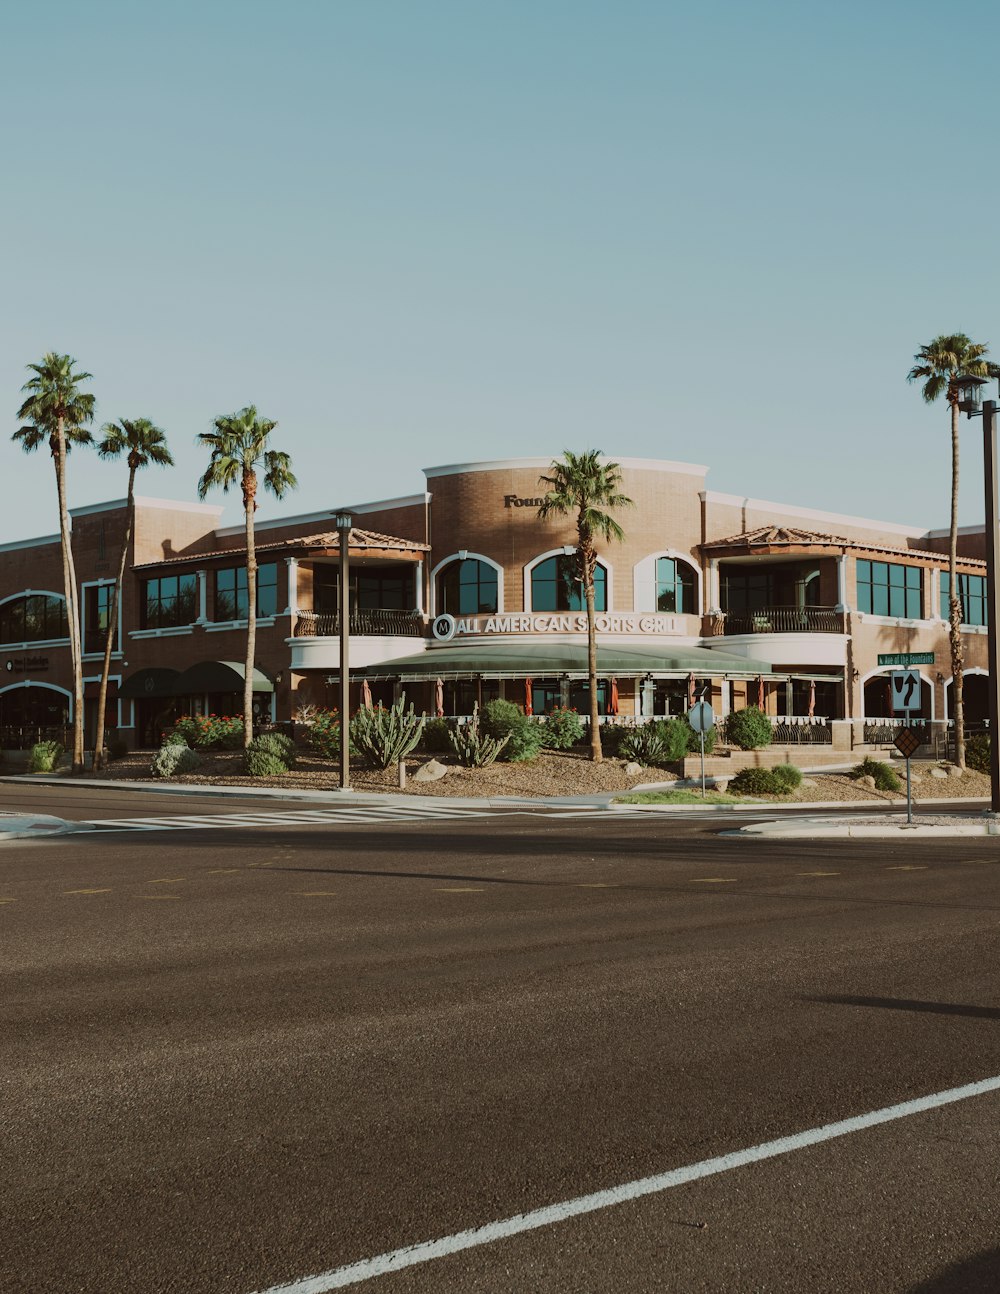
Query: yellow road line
x=460, y=889
x=168, y=880
x=223, y=871
x=159, y=896
x=597, y=885
x=817, y=873
x=8, y=900
x=714, y=880
x=906, y=867
x=108, y=891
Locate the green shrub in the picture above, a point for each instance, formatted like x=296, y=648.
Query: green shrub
x=750, y=729
x=886, y=778
x=758, y=781
x=977, y=752
x=612, y=736
x=210, y=731
x=385, y=736
x=473, y=748
x=694, y=738
x=675, y=735
x=44, y=756
x=436, y=737
x=644, y=745
x=563, y=728
x=263, y=763
x=175, y=738
x=173, y=759
x=278, y=744
x=503, y=719
x=788, y=775
x=323, y=734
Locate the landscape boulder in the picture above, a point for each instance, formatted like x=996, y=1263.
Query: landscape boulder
x=432, y=771
x=633, y=769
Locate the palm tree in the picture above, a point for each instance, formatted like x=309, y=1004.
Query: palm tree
x=56, y=410
x=143, y=443
x=583, y=485
x=239, y=450
x=940, y=365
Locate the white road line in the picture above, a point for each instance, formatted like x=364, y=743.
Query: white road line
x=411, y=1255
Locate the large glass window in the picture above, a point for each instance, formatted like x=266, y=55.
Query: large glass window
x=972, y=594
x=467, y=587
x=34, y=618
x=887, y=589
x=675, y=586
x=170, y=600
x=232, y=600
x=390, y=590
x=96, y=617
x=555, y=586
x=747, y=591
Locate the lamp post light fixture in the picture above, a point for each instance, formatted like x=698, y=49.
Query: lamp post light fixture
x=973, y=406
x=343, y=521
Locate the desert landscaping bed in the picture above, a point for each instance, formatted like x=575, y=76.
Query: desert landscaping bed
x=553, y=773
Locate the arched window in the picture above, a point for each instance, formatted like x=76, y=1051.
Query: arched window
x=467, y=587
x=555, y=586
x=675, y=586
x=33, y=618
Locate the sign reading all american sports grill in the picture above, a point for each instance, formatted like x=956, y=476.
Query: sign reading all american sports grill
x=446, y=626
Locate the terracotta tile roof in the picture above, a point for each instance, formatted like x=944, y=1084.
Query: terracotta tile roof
x=791, y=536
x=359, y=539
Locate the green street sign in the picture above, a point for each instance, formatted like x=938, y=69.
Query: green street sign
x=906, y=658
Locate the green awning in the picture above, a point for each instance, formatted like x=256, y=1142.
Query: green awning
x=540, y=660
x=218, y=676
x=148, y=682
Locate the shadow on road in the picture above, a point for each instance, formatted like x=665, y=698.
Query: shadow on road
x=911, y=1004
x=978, y=1275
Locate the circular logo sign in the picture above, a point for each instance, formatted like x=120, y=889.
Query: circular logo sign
x=10, y=666
x=443, y=627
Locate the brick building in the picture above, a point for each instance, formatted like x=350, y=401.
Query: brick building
x=461, y=593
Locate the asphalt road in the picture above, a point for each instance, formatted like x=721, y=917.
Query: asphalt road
x=233, y=1059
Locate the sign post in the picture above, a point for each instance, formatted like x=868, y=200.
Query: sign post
x=906, y=743
x=701, y=718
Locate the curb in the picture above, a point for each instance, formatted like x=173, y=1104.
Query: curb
x=37, y=826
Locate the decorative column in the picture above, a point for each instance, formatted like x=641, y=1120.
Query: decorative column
x=713, y=594
x=202, y=598
x=292, y=609
x=842, y=606
x=419, y=585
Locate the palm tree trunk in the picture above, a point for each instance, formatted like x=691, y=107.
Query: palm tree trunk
x=596, y=753
x=69, y=583
x=249, y=507
x=955, y=602
x=102, y=697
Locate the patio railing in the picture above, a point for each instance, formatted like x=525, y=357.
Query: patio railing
x=780, y=620
x=369, y=623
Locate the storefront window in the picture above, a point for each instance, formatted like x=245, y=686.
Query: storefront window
x=888, y=589
x=169, y=601
x=385, y=590
x=231, y=597
x=675, y=585
x=555, y=586
x=33, y=619
x=96, y=616
x=468, y=587
x=972, y=594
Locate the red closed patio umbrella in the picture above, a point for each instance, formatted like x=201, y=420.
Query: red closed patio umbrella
x=439, y=698
x=812, y=699
x=761, y=693
x=527, y=697
x=366, y=694
x=613, y=703
x=690, y=691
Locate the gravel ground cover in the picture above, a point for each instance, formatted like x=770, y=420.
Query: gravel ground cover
x=553, y=773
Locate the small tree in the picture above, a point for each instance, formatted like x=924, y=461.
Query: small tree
x=584, y=486
x=57, y=411
x=238, y=451
x=143, y=443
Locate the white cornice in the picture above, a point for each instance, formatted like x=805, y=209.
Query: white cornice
x=791, y=510
x=543, y=465
x=29, y=543
x=325, y=517
x=142, y=501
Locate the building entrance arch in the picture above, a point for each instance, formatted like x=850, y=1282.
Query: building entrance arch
x=876, y=691
x=31, y=712
x=975, y=696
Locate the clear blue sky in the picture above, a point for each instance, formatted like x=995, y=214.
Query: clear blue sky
x=421, y=233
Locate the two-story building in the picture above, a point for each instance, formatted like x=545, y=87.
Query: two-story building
x=461, y=593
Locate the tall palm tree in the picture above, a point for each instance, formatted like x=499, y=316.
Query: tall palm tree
x=940, y=364
x=239, y=451
x=143, y=443
x=582, y=485
x=57, y=411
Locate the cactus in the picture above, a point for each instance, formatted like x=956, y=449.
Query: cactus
x=472, y=748
x=386, y=736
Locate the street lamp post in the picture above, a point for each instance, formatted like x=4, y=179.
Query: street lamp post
x=343, y=523
x=970, y=406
